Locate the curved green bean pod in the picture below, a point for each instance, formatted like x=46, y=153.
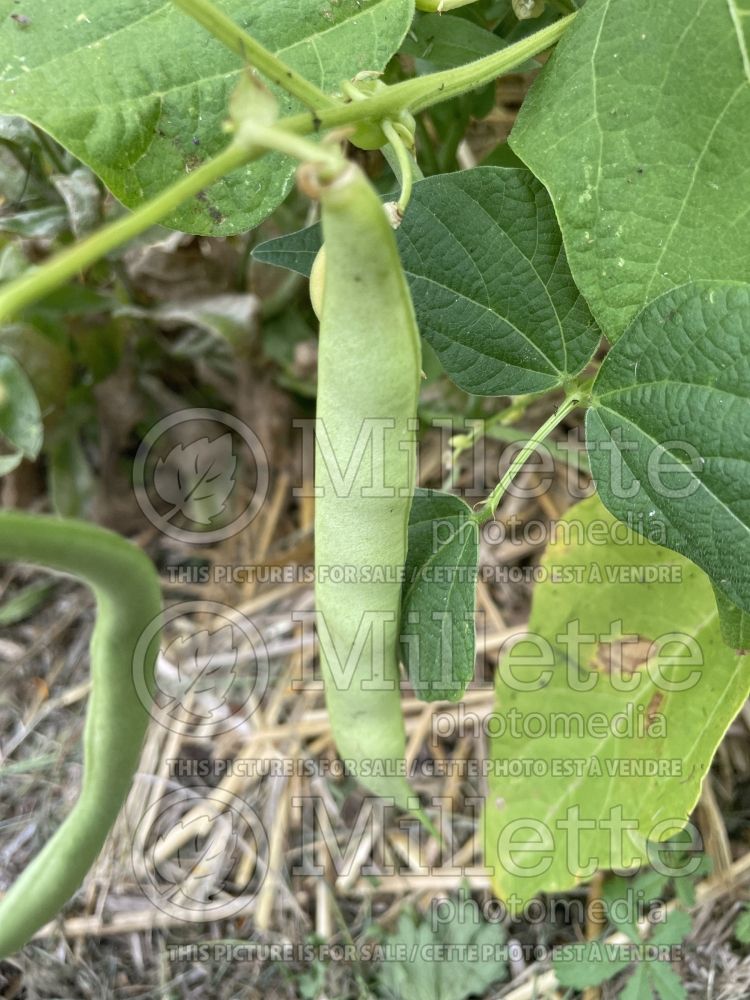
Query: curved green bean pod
x=126, y=588
x=369, y=367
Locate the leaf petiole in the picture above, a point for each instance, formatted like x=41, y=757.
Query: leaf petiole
x=461, y=443
x=487, y=512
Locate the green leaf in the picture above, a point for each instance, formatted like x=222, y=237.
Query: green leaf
x=22, y=605
x=735, y=623
x=438, y=596
x=638, y=129
x=638, y=987
x=20, y=416
x=428, y=972
x=665, y=981
x=443, y=41
x=502, y=156
x=669, y=427
x=592, y=746
x=673, y=931
x=617, y=893
x=492, y=291
x=138, y=91
x=71, y=481
x=295, y=251
x=590, y=964
x=36, y=223
x=47, y=363
x=742, y=927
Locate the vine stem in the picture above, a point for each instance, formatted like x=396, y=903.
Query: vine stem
x=487, y=512
x=423, y=91
x=237, y=40
x=414, y=95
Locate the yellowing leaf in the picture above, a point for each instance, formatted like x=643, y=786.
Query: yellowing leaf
x=608, y=715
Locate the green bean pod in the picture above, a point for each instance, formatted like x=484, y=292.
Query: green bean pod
x=369, y=367
x=126, y=588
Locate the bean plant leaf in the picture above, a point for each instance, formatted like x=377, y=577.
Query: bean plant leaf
x=638, y=129
x=294, y=251
x=492, y=290
x=608, y=713
x=491, y=287
x=668, y=432
x=443, y=41
x=20, y=416
x=138, y=91
x=438, y=597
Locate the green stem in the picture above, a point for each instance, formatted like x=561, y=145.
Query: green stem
x=404, y=161
x=40, y=281
x=252, y=142
x=482, y=428
x=393, y=163
x=424, y=91
x=248, y=48
x=487, y=512
x=261, y=138
x=434, y=88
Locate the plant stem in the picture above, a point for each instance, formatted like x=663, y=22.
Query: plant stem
x=38, y=282
x=483, y=428
x=262, y=138
x=424, y=91
x=487, y=512
x=404, y=161
x=248, y=48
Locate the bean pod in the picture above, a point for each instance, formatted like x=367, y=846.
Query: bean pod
x=128, y=602
x=369, y=367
